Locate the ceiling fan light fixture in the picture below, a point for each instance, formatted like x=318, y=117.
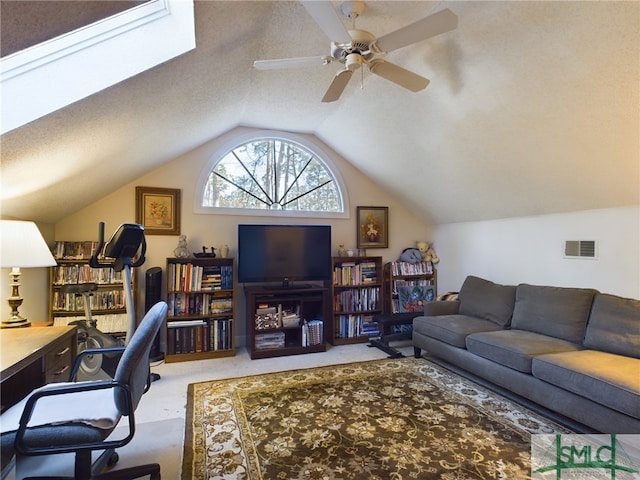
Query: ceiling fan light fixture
x=353, y=61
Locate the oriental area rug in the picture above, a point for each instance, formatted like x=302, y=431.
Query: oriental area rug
x=384, y=419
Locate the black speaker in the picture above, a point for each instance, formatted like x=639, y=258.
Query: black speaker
x=152, y=295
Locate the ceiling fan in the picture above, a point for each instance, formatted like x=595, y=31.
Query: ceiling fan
x=353, y=48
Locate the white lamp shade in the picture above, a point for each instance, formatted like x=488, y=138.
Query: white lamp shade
x=22, y=246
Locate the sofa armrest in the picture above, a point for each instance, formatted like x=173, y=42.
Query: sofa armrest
x=441, y=307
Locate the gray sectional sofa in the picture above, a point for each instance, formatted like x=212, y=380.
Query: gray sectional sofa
x=574, y=351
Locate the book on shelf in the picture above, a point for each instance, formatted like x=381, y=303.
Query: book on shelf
x=83, y=273
x=406, y=268
x=352, y=326
x=107, y=323
x=65, y=250
x=188, y=277
x=196, y=336
x=312, y=333
x=270, y=340
x=361, y=299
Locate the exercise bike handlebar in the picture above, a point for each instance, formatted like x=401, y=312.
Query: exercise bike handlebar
x=123, y=246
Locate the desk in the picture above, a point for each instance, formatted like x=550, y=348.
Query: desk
x=32, y=357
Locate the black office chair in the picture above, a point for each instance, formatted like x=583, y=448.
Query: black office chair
x=79, y=416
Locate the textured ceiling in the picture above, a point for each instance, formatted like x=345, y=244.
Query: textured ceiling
x=533, y=108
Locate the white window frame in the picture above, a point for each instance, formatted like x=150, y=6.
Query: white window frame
x=236, y=138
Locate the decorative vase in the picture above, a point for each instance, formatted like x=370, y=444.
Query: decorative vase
x=341, y=251
x=224, y=251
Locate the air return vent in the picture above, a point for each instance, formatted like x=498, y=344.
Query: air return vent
x=580, y=248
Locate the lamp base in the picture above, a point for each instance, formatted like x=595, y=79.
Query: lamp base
x=15, y=322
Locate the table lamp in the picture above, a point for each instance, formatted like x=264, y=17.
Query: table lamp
x=22, y=246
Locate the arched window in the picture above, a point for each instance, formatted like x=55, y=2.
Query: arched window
x=272, y=173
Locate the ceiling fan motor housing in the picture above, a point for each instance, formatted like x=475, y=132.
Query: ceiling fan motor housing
x=361, y=42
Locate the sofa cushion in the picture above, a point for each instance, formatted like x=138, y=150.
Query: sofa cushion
x=515, y=348
x=614, y=325
x=452, y=329
x=612, y=380
x=484, y=299
x=556, y=311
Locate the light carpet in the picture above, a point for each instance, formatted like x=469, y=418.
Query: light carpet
x=385, y=419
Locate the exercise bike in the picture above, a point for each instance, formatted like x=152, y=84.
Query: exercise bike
x=125, y=250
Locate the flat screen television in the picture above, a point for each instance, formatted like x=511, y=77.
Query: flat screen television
x=284, y=253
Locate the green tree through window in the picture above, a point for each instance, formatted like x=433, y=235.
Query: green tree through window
x=272, y=174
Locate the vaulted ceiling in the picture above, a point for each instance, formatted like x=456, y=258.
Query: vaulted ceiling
x=533, y=108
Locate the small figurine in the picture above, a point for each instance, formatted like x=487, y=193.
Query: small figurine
x=181, y=250
x=342, y=252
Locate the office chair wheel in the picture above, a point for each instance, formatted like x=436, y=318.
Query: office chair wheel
x=113, y=459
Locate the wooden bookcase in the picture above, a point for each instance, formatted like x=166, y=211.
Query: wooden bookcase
x=107, y=302
x=356, y=294
x=200, y=319
x=286, y=321
x=401, y=277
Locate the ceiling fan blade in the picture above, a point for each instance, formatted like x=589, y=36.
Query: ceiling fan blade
x=328, y=20
x=428, y=27
x=398, y=75
x=296, y=62
x=337, y=86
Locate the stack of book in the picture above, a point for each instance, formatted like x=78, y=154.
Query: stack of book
x=312, y=333
x=269, y=340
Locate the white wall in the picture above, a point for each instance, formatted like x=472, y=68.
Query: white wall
x=216, y=230
x=531, y=250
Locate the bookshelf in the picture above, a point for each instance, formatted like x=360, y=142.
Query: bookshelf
x=200, y=318
x=356, y=293
x=107, y=301
x=408, y=285
x=286, y=321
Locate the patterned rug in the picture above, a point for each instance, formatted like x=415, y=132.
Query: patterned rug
x=386, y=419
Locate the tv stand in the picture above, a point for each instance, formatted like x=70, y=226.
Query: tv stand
x=287, y=320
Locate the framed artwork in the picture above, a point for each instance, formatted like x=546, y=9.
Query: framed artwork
x=158, y=210
x=373, y=227
x=412, y=298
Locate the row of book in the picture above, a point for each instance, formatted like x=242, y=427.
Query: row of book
x=180, y=304
x=196, y=336
x=187, y=277
x=71, y=274
x=361, y=299
x=402, y=283
x=351, y=326
x=352, y=273
x=73, y=250
x=99, y=300
x=406, y=268
x=108, y=323
x=312, y=333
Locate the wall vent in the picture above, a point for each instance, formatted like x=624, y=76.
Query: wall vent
x=580, y=248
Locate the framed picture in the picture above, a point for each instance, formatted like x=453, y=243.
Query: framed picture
x=412, y=298
x=373, y=227
x=158, y=210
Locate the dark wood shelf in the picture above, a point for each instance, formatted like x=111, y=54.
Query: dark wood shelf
x=350, y=280
x=208, y=337
x=309, y=303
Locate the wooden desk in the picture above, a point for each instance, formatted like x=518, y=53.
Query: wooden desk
x=32, y=357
